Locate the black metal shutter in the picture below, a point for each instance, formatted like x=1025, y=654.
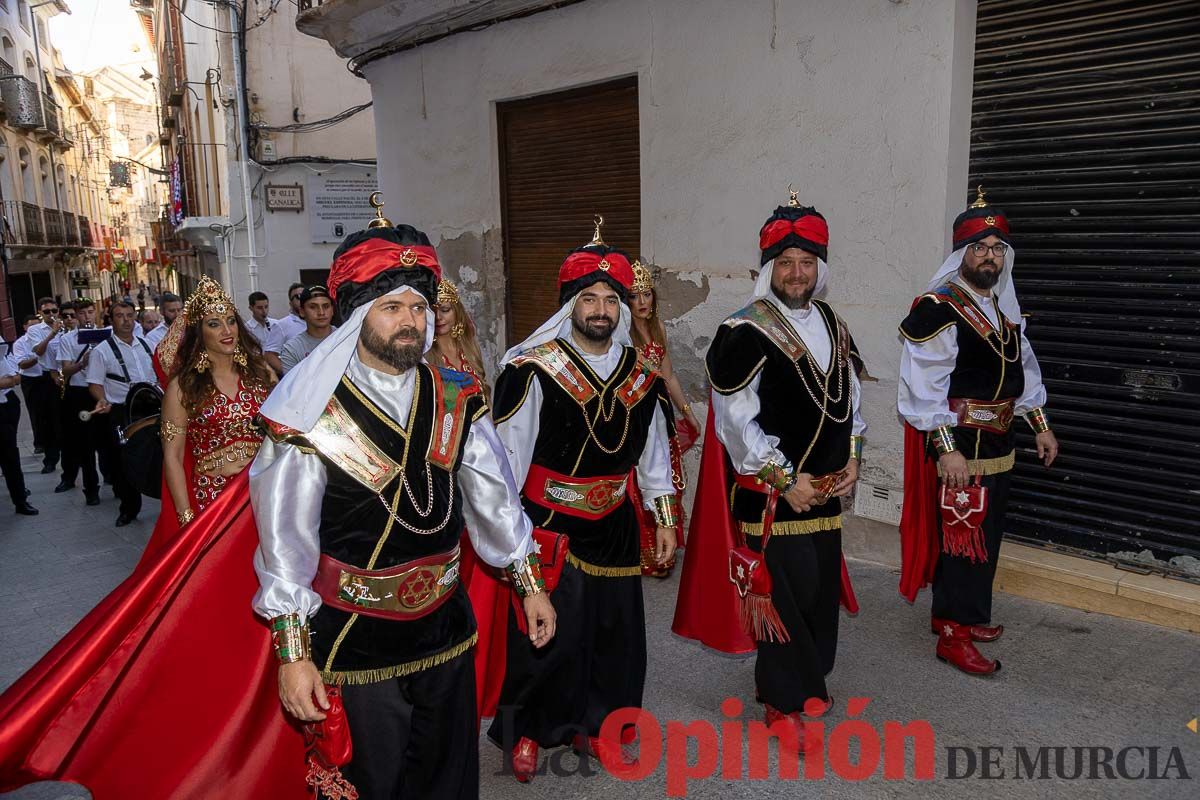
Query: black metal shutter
x=563, y=158
x=1086, y=130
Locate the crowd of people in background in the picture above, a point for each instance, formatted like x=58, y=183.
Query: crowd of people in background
x=74, y=385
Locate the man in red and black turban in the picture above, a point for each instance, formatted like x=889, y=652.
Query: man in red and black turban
x=374, y=465
x=578, y=411
x=781, y=449
x=966, y=372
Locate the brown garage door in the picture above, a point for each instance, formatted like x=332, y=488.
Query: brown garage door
x=563, y=158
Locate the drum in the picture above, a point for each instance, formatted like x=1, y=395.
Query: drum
x=141, y=447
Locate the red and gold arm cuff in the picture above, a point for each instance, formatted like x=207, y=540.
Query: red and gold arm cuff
x=943, y=440
x=290, y=637
x=1036, y=418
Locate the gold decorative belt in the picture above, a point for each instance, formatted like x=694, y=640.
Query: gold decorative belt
x=994, y=416
x=588, y=498
x=404, y=592
x=231, y=453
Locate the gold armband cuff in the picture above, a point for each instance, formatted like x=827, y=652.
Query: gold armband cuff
x=775, y=476
x=943, y=440
x=526, y=575
x=169, y=430
x=856, y=447
x=290, y=637
x=666, y=511
x=1037, y=420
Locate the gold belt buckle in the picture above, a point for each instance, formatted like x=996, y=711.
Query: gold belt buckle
x=410, y=591
x=594, y=497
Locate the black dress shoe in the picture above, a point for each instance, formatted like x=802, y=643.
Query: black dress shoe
x=48, y=468
x=93, y=498
x=37, y=451
x=124, y=520
x=63, y=486
x=26, y=509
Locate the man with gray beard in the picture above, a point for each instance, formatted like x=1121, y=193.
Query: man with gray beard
x=373, y=465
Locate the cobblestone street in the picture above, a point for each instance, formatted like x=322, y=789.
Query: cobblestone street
x=1070, y=679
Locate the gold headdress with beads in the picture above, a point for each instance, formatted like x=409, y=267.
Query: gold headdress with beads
x=643, y=281
x=208, y=298
x=447, y=292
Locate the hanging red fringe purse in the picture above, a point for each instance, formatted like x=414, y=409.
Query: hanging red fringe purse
x=328, y=748
x=748, y=573
x=963, y=511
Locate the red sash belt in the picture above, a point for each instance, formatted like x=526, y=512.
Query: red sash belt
x=591, y=497
x=824, y=485
x=404, y=592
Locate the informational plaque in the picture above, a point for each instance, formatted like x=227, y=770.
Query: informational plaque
x=338, y=203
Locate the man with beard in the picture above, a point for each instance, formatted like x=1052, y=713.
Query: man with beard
x=374, y=463
x=966, y=370
x=785, y=421
x=578, y=409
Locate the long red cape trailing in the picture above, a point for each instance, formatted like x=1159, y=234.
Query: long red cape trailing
x=167, y=688
x=707, y=605
x=918, y=521
x=490, y=599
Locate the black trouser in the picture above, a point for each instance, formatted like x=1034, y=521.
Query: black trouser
x=109, y=444
x=806, y=583
x=79, y=446
x=41, y=398
x=416, y=737
x=10, y=457
x=595, y=664
x=962, y=589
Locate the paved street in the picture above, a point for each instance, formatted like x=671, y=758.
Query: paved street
x=1070, y=679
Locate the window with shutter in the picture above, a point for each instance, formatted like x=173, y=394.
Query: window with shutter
x=564, y=157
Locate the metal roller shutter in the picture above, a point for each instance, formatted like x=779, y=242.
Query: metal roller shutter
x=564, y=157
x=1086, y=130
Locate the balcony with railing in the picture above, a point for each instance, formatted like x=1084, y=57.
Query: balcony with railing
x=23, y=224
x=71, y=224
x=5, y=68
x=172, y=80
x=20, y=96
x=56, y=231
x=85, y=233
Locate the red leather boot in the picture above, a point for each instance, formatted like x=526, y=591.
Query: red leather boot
x=955, y=647
x=979, y=633
x=525, y=760
x=601, y=749
x=793, y=720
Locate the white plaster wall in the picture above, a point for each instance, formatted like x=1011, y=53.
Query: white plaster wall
x=862, y=104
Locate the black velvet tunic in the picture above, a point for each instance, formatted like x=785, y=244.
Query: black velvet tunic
x=988, y=366
x=808, y=409
x=604, y=435
x=357, y=529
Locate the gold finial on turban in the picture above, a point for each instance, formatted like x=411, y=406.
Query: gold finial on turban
x=380, y=220
x=979, y=201
x=643, y=281
x=597, y=240
x=793, y=197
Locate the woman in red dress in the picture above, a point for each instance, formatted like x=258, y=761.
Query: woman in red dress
x=167, y=688
x=650, y=338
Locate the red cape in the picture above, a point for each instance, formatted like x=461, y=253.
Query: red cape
x=707, y=606
x=167, y=688
x=490, y=599
x=918, y=522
